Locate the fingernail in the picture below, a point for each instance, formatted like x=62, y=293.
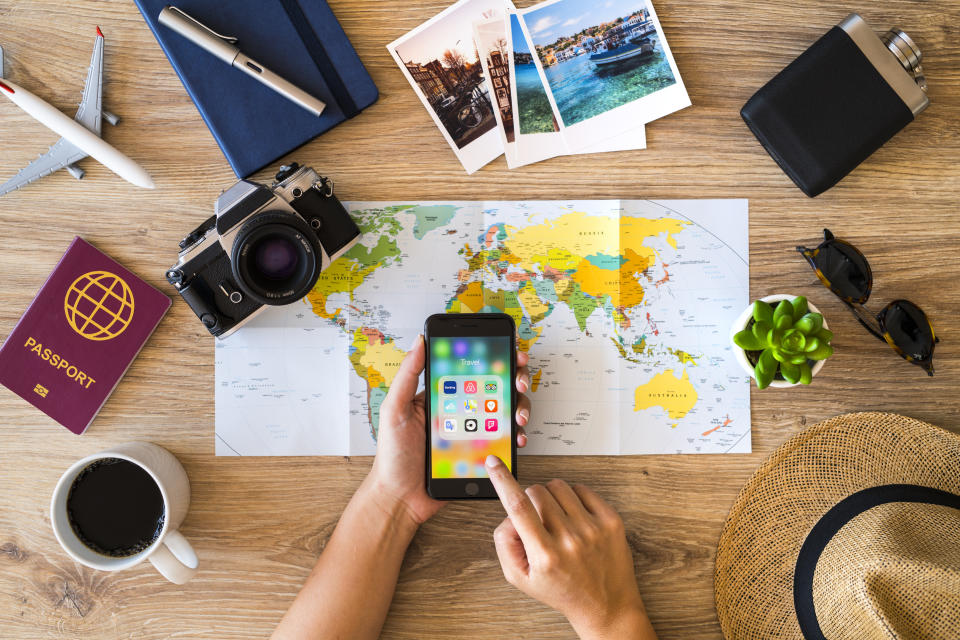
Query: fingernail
x=524, y=415
x=492, y=461
x=416, y=341
x=522, y=384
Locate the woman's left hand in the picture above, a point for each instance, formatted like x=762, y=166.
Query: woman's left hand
x=398, y=469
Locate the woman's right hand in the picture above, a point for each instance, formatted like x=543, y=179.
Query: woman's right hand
x=566, y=547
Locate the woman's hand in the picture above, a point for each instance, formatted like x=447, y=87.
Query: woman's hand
x=398, y=470
x=566, y=547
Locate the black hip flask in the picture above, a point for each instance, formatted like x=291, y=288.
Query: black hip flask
x=838, y=102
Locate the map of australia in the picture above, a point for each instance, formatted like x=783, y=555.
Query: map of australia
x=623, y=306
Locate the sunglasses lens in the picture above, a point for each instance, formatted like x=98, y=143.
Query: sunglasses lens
x=908, y=327
x=846, y=269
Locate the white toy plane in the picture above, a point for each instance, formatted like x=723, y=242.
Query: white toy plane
x=81, y=135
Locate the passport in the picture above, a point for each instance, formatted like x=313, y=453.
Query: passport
x=80, y=335
x=300, y=40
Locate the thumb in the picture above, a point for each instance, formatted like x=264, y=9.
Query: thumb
x=407, y=378
x=511, y=552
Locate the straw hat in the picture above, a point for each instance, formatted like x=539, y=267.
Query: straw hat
x=851, y=529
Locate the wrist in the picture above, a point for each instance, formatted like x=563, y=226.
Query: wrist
x=628, y=621
x=394, y=510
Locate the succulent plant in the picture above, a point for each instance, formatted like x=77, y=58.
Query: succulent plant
x=787, y=338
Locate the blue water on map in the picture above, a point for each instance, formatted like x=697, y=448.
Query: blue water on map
x=583, y=90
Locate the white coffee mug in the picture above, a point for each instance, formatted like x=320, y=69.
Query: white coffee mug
x=170, y=553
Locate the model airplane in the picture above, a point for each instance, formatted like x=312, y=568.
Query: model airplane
x=81, y=135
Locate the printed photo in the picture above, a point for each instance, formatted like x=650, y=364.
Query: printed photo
x=533, y=107
x=538, y=135
x=493, y=43
x=491, y=39
x=441, y=62
x=599, y=56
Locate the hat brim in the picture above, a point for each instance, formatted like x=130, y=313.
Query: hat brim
x=793, y=489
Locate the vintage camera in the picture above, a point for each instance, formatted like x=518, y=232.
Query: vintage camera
x=263, y=246
x=837, y=103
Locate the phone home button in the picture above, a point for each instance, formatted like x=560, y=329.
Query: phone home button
x=471, y=488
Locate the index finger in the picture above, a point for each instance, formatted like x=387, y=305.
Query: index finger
x=515, y=502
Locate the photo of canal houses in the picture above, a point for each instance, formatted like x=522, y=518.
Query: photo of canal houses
x=492, y=43
x=600, y=55
x=441, y=62
x=534, y=114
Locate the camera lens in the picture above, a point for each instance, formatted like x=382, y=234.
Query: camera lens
x=276, y=258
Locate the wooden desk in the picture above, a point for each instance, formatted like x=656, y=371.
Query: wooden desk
x=258, y=524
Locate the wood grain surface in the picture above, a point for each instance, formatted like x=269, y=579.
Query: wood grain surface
x=258, y=524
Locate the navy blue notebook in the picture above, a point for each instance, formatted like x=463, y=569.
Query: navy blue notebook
x=300, y=40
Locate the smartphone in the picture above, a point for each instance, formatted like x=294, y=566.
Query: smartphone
x=470, y=401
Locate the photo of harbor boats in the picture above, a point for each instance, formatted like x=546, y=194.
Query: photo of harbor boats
x=534, y=113
x=597, y=56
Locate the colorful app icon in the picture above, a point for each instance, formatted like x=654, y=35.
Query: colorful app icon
x=490, y=405
x=470, y=406
x=450, y=406
x=449, y=386
x=490, y=424
x=490, y=386
x=470, y=424
x=450, y=425
x=470, y=386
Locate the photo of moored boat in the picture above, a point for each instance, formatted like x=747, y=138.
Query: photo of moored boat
x=629, y=40
x=597, y=57
x=622, y=52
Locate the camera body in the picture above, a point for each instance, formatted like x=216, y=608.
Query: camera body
x=838, y=102
x=264, y=246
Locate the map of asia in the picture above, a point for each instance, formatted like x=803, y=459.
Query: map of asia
x=624, y=307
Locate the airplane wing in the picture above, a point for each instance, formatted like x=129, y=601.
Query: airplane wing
x=90, y=115
x=91, y=110
x=61, y=154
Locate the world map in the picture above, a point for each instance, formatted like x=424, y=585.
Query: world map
x=624, y=307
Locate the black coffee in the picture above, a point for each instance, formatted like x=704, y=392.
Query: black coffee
x=115, y=508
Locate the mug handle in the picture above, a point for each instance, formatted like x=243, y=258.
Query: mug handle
x=175, y=559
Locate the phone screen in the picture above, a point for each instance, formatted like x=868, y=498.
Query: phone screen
x=471, y=397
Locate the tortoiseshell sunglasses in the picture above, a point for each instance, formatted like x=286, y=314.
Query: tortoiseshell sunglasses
x=901, y=324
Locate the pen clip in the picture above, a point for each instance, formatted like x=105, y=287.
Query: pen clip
x=230, y=39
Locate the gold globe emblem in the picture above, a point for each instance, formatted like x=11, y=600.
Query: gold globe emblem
x=99, y=305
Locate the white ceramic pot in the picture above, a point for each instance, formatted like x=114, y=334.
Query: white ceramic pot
x=741, y=324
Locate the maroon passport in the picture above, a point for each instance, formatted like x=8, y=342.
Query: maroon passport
x=79, y=336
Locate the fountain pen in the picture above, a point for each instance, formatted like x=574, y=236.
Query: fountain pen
x=224, y=47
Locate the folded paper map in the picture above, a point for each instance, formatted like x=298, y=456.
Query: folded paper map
x=625, y=308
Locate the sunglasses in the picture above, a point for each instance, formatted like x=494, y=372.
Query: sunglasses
x=901, y=324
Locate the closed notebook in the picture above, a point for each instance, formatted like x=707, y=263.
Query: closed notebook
x=299, y=40
x=79, y=335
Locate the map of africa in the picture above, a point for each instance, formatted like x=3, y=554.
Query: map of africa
x=624, y=307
